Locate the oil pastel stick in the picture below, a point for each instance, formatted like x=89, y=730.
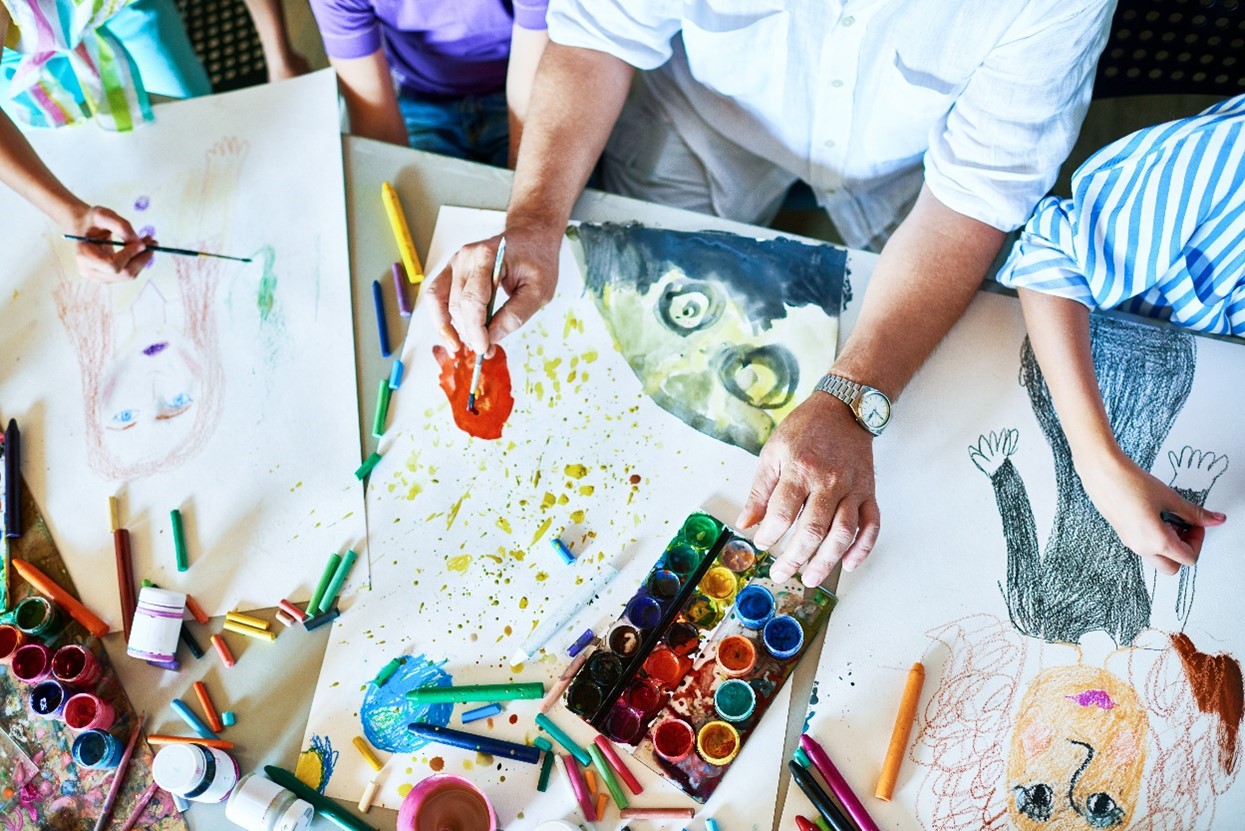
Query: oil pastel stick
x=900, y=734
x=476, y=692
x=846, y=796
x=553, y=623
x=478, y=743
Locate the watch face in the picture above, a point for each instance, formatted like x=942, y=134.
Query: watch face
x=875, y=410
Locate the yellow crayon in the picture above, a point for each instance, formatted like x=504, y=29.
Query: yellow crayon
x=402, y=234
x=249, y=631
x=368, y=755
x=248, y=620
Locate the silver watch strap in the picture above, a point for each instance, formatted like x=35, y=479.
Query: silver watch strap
x=840, y=387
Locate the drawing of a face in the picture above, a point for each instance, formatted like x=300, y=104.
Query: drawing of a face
x=1077, y=751
x=703, y=319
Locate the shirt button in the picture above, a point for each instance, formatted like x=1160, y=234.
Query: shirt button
x=836, y=83
x=848, y=21
x=830, y=143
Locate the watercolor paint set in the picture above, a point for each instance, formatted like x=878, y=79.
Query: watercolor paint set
x=701, y=649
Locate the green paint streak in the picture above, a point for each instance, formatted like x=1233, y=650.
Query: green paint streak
x=266, y=298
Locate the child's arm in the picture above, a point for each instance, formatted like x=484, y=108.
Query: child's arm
x=269, y=19
x=368, y=89
x=23, y=171
x=526, y=47
x=1127, y=497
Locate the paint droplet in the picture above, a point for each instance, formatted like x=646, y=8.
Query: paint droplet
x=437, y=764
x=522, y=602
x=541, y=576
x=548, y=501
x=514, y=718
x=404, y=789
x=540, y=531
x=577, y=516
x=635, y=479
x=576, y=471
x=459, y=563
x=586, y=490
x=503, y=524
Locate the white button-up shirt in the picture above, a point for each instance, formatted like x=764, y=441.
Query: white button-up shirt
x=865, y=99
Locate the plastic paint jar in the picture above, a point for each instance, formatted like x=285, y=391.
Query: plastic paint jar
x=605, y=668
x=673, y=739
x=738, y=555
x=444, y=801
x=644, y=612
x=754, y=606
x=47, y=699
x=624, y=724
x=718, y=743
x=11, y=638
x=645, y=697
x=624, y=639
x=32, y=663
x=259, y=804
x=556, y=825
x=157, y=624
x=683, y=638
x=76, y=665
x=97, y=749
x=584, y=698
x=735, y=700
x=681, y=558
x=37, y=617
x=664, y=584
x=701, y=530
x=195, y=772
x=702, y=611
x=86, y=711
x=664, y=667
x=737, y=655
x=783, y=636
x=719, y=583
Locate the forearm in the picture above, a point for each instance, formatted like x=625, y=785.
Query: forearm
x=269, y=19
x=576, y=98
x=925, y=278
x=23, y=171
x=1059, y=334
x=370, y=99
x=526, y=48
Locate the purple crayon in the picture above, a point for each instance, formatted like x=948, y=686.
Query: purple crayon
x=399, y=279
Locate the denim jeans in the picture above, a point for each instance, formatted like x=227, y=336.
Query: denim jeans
x=473, y=127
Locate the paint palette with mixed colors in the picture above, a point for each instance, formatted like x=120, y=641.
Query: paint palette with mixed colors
x=700, y=651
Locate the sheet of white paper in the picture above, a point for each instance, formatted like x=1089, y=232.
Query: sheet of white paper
x=223, y=389
x=939, y=573
x=463, y=567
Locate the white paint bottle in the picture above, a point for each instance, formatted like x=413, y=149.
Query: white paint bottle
x=259, y=804
x=195, y=772
x=157, y=624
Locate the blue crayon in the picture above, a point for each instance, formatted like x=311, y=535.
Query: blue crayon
x=228, y=718
x=321, y=619
x=382, y=328
x=472, y=741
x=395, y=374
x=192, y=720
x=582, y=641
x=711, y=825
x=563, y=551
x=481, y=712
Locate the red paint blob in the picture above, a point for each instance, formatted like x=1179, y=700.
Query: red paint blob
x=514, y=719
x=493, y=398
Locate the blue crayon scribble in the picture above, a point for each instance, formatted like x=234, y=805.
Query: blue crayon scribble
x=316, y=763
x=385, y=712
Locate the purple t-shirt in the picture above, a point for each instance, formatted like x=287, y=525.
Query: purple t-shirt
x=443, y=47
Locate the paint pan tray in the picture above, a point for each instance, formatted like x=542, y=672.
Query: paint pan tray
x=701, y=649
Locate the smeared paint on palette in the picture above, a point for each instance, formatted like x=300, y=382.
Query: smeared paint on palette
x=494, y=400
x=385, y=712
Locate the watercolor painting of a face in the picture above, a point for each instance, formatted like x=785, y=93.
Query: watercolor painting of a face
x=706, y=320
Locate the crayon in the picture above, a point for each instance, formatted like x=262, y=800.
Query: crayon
x=248, y=620
x=285, y=619
x=1175, y=521
x=838, y=785
x=590, y=777
x=476, y=692
x=382, y=327
x=229, y=718
x=114, y=514
x=196, y=611
x=164, y=249
x=292, y=610
x=546, y=767
x=559, y=735
x=13, y=481
x=602, y=799
x=366, y=751
x=382, y=409
x=481, y=712
x=321, y=620
x=326, y=577
x=219, y=744
x=472, y=741
x=564, y=680
x=179, y=540
x=711, y=824
x=802, y=758
x=144, y=799
x=60, y=597
x=404, y=308
x=366, y=468
x=607, y=776
x=369, y=795
x=118, y=778
x=616, y=762
x=580, y=642
x=820, y=799
x=387, y=671
x=552, y=624
x=901, y=732
x=249, y=631
x=339, y=579
x=209, y=709
x=395, y=374
x=803, y=824
x=401, y=234
x=192, y=721
x=191, y=643
x=563, y=550
x=222, y=649
x=324, y=806
x=580, y=788
x=657, y=813
x=125, y=579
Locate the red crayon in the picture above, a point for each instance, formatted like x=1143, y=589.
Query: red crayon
x=803, y=824
x=222, y=649
x=624, y=773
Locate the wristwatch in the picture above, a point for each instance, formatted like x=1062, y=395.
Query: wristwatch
x=870, y=407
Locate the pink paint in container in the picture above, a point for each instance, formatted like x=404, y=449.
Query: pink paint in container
x=32, y=663
x=444, y=802
x=86, y=711
x=76, y=665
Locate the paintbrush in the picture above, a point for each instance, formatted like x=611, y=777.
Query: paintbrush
x=118, y=778
x=184, y=252
x=488, y=316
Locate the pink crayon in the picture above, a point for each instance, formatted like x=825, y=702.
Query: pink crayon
x=842, y=791
x=580, y=787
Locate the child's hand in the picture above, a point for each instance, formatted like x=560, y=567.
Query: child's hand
x=106, y=263
x=1132, y=500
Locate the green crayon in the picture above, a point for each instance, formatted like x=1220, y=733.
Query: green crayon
x=477, y=692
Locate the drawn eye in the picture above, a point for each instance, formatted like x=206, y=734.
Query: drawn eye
x=1102, y=812
x=124, y=418
x=765, y=376
x=178, y=401
x=687, y=307
x=1035, y=802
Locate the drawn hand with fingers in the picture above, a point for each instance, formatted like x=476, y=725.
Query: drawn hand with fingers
x=993, y=449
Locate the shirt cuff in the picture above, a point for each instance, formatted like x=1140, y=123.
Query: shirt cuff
x=530, y=14
x=358, y=44
x=630, y=41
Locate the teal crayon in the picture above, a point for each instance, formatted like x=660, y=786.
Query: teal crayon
x=192, y=720
x=339, y=579
x=476, y=692
x=330, y=569
x=387, y=671
x=179, y=540
x=559, y=735
x=324, y=806
x=366, y=468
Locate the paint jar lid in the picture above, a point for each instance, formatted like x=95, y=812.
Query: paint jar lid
x=179, y=768
x=259, y=804
x=556, y=825
x=163, y=598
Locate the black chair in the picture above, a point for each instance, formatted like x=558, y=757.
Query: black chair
x=225, y=39
x=1174, y=47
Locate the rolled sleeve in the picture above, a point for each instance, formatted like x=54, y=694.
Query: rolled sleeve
x=530, y=14
x=999, y=149
x=637, y=32
x=349, y=28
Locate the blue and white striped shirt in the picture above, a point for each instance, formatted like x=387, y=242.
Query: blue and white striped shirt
x=1155, y=226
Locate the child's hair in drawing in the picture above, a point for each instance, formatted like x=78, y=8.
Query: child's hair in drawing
x=87, y=316
x=1191, y=702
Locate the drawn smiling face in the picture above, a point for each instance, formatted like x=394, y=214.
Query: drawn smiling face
x=1077, y=751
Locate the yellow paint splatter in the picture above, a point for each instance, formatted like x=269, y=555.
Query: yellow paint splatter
x=458, y=563
x=590, y=356
x=586, y=490
x=540, y=532
x=563, y=499
x=404, y=789
x=415, y=490
x=522, y=602
x=576, y=471
x=577, y=516
x=541, y=576
x=548, y=502
x=454, y=509
x=503, y=524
